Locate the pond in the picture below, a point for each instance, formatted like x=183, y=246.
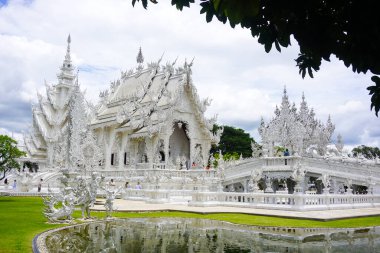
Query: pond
x=196, y=235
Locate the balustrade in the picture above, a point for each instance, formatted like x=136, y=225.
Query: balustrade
x=342, y=167
x=284, y=201
x=280, y=161
x=133, y=194
x=113, y=173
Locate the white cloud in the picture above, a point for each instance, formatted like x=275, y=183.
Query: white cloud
x=230, y=67
x=351, y=106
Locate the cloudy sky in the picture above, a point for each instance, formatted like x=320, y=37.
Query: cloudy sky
x=230, y=67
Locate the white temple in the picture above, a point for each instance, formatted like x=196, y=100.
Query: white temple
x=149, y=130
x=153, y=115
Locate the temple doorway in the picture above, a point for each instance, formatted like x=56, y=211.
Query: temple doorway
x=179, y=143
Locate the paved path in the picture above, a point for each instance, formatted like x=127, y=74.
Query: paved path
x=141, y=206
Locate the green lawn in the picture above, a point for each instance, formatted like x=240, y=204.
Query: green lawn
x=21, y=219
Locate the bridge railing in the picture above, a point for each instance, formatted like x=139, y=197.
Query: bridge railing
x=343, y=167
x=152, y=195
x=287, y=161
x=358, y=172
x=244, y=168
x=284, y=201
x=121, y=174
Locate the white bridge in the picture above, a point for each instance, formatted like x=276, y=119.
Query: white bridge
x=338, y=169
x=326, y=184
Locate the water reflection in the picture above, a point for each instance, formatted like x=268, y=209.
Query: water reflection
x=193, y=235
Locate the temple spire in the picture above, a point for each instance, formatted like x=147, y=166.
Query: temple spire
x=140, y=60
x=68, y=57
x=67, y=76
x=303, y=103
x=140, y=57
x=285, y=100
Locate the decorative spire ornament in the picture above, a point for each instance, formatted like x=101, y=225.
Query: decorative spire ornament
x=285, y=100
x=140, y=60
x=68, y=57
x=140, y=57
x=339, y=144
x=67, y=75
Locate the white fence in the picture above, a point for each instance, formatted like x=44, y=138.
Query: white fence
x=157, y=195
x=124, y=174
x=301, y=202
x=339, y=168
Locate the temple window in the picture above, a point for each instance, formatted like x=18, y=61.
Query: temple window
x=112, y=159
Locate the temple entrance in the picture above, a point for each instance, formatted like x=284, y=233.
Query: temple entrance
x=179, y=144
x=141, y=153
x=162, y=156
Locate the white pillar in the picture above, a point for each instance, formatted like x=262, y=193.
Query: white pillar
x=166, y=150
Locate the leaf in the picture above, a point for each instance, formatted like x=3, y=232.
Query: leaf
x=236, y=10
x=182, y=3
x=144, y=3
x=209, y=15
x=310, y=72
x=375, y=92
x=277, y=45
x=268, y=47
x=303, y=73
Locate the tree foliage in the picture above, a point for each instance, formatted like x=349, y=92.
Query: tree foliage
x=233, y=142
x=347, y=29
x=9, y=152
x=367, y=152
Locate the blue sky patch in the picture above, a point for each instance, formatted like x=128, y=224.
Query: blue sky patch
x=3, y=2
x=93, y=68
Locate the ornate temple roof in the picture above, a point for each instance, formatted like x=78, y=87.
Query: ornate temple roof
x=143, y=98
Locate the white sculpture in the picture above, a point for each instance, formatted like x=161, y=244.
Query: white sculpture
x=268, y=184
x=85, y=192
x=256, y=149
x=348, y=183
x=66, y=200
x=256, y=176
x=111, y=193
x=298, y=176
x=339, y=144
x=325, y=178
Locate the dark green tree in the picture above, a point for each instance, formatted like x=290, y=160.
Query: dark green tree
x=367, y=152
x=347, y=29
x=233, y=142
x=9, y=152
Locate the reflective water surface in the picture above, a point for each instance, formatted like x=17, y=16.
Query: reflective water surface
x=193, y=235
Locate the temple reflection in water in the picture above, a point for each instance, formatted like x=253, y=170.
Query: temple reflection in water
x=194, y=235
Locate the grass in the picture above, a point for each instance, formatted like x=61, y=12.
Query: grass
x=21, y=219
